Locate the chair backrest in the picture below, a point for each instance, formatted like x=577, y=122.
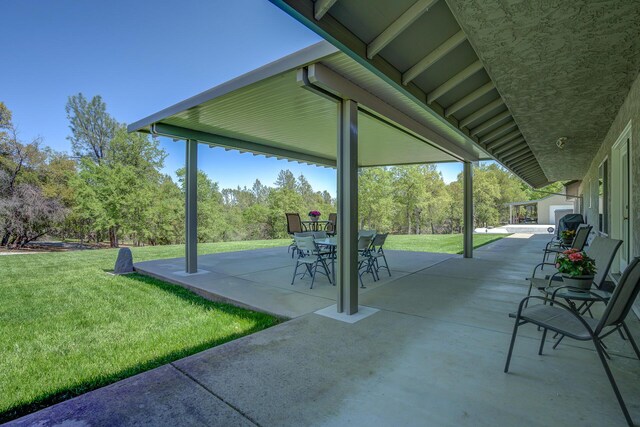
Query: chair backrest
x=320, y=235
x=294, y=223
x=623, y=296
x=364, y=241
x=582, y=234
x=379, y=240
x=602, y=250
x=305, y=243
x=332, y=224
x=304, y=234
x=366, y=233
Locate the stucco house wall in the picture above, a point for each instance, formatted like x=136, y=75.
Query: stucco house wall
x=630, y=111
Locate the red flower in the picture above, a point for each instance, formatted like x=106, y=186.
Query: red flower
x=570, y=251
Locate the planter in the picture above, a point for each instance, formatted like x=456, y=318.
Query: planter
x=567, y=241
x=581, y=282
x=313, y=218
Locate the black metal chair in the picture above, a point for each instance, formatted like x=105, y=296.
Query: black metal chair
x=579, y=242
x=563, y=320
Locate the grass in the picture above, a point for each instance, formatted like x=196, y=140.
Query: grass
x=68, y=327
x=444, y=243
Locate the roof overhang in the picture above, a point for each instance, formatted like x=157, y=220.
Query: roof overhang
x=418, y=49
x=514, y=76
x=289, y=109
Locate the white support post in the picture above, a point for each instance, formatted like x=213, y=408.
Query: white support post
x=347, y=250
x=191, y=206
x=468, y=210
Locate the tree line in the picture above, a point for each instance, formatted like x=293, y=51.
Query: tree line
x=111, y=189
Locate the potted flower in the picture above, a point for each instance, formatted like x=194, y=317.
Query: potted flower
x=314, y=215
x=577, y=268
x=567, y=236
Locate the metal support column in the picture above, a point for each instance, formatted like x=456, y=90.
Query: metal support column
x=468, y=210
x=347, y=232
x=191, y=206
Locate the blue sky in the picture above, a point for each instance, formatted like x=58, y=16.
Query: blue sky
x=142, y=56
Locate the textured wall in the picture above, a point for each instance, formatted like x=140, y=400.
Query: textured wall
x=630, y=110
x=563, y=68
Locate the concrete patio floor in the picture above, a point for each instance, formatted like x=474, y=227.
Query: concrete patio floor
x=432, y=355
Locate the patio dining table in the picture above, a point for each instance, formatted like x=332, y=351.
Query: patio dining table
x=318, y=225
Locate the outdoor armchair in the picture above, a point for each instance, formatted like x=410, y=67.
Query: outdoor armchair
x=378, y=253
x=365, y=259
x=563, y=320
x=310, y=256
x=294, y=225
x=579, y=242
x=602, y=250
x=332, y=224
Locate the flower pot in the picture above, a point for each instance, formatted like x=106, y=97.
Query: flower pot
x=567, y=241
x=581, y=282
x=313, y=218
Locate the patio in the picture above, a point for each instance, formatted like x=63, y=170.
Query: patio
x=432, y=355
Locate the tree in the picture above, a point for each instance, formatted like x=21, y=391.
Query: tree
x=25, y=212
x=92, y=128
x=286, y=180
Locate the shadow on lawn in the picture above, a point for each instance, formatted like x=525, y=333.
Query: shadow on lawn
x=260, y=321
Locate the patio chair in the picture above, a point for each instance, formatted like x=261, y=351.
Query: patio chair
x=320, y=235
x=560, y=318
x=377, y=252
x=331, y=226
x=294, y=225
x=366, y=233
x=567, y=222
x=602, y=250
x=310, y=256
x=579, y=241
x=365, y=258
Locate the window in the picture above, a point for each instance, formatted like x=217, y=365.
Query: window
x=603, y=198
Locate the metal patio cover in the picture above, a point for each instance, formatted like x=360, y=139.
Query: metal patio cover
x=286, y=109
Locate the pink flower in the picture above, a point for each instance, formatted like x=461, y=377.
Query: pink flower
x=575, y=256
x=570, y=251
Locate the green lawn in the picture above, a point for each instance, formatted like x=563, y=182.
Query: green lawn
x=446, y=243
x=67, y=326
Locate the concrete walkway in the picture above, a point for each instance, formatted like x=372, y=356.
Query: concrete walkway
x=432, y=355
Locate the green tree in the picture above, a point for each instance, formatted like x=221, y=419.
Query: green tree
x=92, y=128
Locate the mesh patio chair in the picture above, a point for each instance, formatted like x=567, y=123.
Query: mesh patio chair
x=331, y=226
x=563, y=320
x=320, y=235
x=602, y=250
x=294, y=225
x=310, y=256
x=567, y=222
x=365, y=259
x=377, y=252
x=579, y=242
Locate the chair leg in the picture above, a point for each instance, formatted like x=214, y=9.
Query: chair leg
x=631, y=340
x=326, y=270
x=294, y=273
x=313, y=275
x=612, y=380
x=544, y=337
x=513, y=341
